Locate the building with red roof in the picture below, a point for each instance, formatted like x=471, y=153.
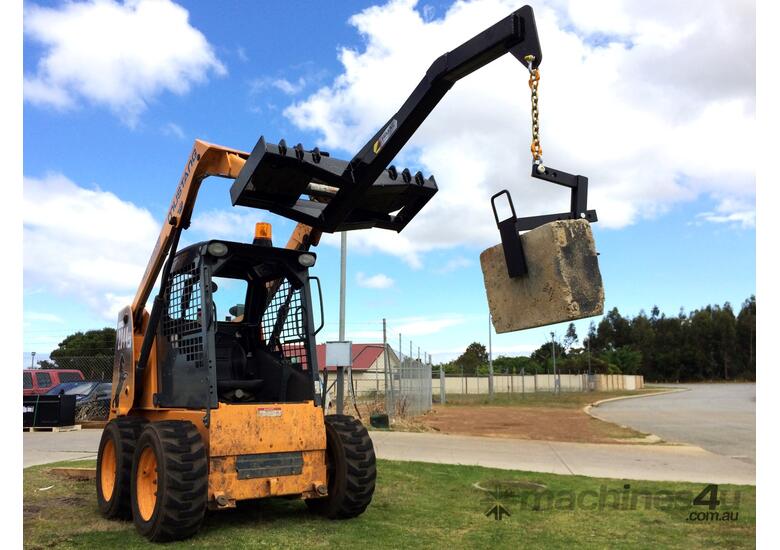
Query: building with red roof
x=367, y=359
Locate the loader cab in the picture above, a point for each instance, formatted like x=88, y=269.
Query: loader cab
x=266, y=355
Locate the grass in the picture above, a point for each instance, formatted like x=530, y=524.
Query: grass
x=416, y=505
x=563, y=400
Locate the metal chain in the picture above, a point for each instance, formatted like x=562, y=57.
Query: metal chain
x=533, y=83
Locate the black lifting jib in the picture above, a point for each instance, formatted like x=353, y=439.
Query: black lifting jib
x=510, y=227
x=337, y=195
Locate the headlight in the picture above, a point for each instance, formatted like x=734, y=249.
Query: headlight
x=217, y=249
x=307, y=260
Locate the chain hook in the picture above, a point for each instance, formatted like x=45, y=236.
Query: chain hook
x=533, y=83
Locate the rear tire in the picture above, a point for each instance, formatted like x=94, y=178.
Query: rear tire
x=114, y=464
x=169, y=481
x=351, y=466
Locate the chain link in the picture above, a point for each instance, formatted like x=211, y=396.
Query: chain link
x=533, y=83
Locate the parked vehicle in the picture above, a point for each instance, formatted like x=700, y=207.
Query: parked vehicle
x=83, y=389
x=92, y=398
x=40, y=381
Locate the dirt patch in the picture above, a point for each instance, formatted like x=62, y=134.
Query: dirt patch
x=30, y=511
x=540, y=423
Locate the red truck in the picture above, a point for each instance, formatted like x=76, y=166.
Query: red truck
x=39, y=381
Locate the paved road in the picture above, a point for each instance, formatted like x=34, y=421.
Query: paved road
x=651, y=462
x=45, y=447
x=648, y=462
x=718, y=417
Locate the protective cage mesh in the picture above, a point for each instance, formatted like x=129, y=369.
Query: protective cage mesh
x=284, y=324
x=182, y=322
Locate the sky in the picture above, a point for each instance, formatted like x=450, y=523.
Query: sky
x=655, y=104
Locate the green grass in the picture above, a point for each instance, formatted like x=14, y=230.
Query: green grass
x=565, y=400
x=416, y=505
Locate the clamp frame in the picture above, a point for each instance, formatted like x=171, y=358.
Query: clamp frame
x=510, y=227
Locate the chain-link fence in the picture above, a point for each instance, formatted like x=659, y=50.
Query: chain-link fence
x=409, y=391
x=88, y=378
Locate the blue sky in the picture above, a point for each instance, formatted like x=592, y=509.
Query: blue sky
x=677, y=225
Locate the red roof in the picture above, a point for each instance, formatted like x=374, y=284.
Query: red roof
x=363, y=356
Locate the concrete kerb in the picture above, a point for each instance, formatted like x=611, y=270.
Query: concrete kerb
x=649, y=438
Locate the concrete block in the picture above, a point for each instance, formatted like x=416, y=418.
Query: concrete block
x=563, y=281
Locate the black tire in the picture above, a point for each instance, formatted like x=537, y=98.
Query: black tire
x=351, y=466
x=181, y=481
x=122, y=433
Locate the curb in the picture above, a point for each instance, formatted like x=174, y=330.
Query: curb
x=587, y=408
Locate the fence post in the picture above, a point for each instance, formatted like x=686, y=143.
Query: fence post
x=512, y=381
x=442, y=385
x=384, y=357
x=522, y=380
x=429, y=379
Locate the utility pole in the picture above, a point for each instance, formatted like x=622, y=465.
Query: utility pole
x=384, y=356
x=555, y=370
x=342, y=325
x=490, y=355
x=32, y=361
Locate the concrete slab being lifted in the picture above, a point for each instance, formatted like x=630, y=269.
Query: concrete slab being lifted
x=563, y=281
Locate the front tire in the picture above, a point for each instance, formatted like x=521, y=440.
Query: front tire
x=114, y=465
x=351, y=464
x=169, y=481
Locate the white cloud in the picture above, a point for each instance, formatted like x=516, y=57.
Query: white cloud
x=282, y=84
x=85, y=243
x=732, y=211
x=173, y=129
x=454, y=264
x=378, y=281
x=41, y=316
x=423, y=325
x=236, y=224
x=654, y=103
x=119, y=55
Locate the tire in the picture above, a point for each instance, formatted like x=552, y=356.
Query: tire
x=351, y=464
x=169, y=481
x=114, y=466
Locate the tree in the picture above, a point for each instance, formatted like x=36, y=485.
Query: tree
x=474, y=356
x=570, y=338
x=87, y=344
x=746, y=339
x=709, y=343
x=626, y=360
x=91, y=352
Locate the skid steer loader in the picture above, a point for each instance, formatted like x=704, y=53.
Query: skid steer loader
x=206, y=413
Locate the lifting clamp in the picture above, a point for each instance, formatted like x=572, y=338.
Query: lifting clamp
x=510, y=227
